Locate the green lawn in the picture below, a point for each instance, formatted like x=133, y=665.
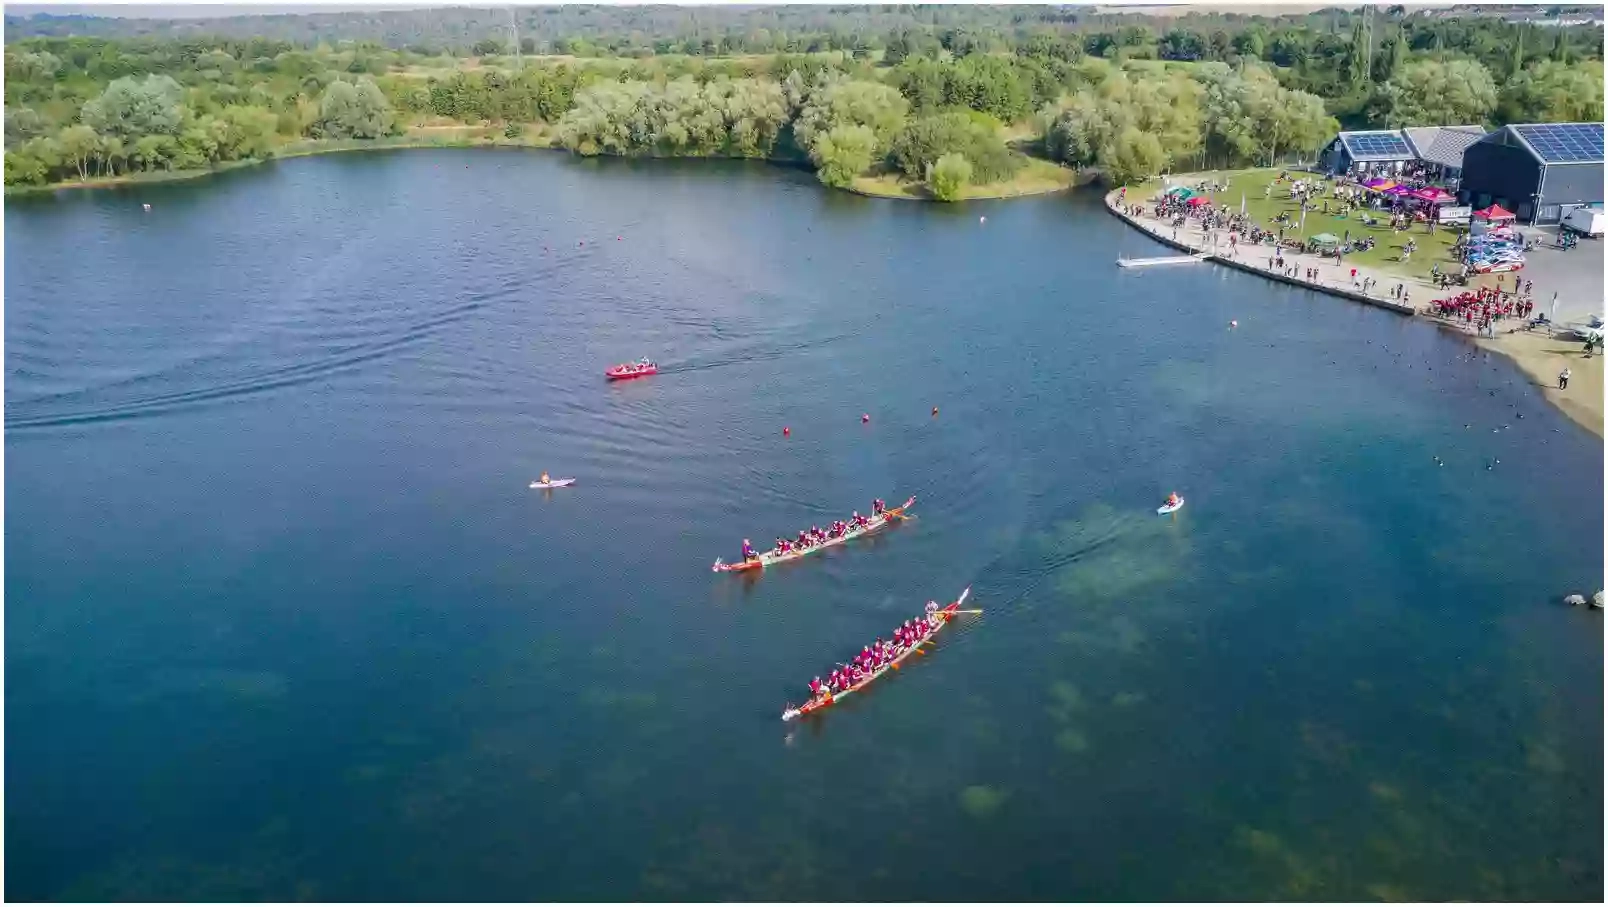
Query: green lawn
x=1385, y=255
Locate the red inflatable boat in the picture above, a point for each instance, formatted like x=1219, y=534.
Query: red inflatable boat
x=631, y=370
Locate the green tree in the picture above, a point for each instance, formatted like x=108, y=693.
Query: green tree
x=1251, y=42
x=843, y=153
x=354, y=111
x=250, y=131
x=113, y=151
x=1550, y=92
x=993, y=85
x=1135, y=155
x=947, y=177
x=877, y=107
x=1432, y=93
x=1357, y=56
x=23, y=169
x=156, y=150
x=79, y=145
x=923, y=141
x=131, y=107
x=197, y=145
x=22, y=124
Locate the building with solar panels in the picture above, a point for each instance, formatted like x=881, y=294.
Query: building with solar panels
x=1354, y=152
x=1439, y=148
x=1539, y=171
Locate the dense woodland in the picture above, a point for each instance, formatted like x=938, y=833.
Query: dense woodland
x=928, y=92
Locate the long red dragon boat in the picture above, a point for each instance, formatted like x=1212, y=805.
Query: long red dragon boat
x=772, y=556
x=944, y=616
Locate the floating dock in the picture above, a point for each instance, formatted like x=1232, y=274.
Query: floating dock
x=1163, y=260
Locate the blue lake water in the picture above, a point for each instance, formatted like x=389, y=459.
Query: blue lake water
x=283, y=619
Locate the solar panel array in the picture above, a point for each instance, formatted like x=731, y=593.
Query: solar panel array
x=1565, y=143
x=1388, y=145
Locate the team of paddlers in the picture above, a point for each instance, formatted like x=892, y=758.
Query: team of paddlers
x=876, y=656
x=815, y=535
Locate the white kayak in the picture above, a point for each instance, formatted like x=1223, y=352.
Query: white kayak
x=1170, y=508
x=556, y=483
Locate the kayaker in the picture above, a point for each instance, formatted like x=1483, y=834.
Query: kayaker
x=876, y=507
x=545, y=479
x=1172, y=499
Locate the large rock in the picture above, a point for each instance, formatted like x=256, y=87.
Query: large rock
x=1596, y=600
x=1575, y=599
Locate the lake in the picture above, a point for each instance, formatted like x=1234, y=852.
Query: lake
x=285, y=621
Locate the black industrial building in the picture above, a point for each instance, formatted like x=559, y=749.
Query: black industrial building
x=1539, y=171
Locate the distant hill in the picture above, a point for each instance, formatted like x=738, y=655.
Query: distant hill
x=463, y=25
x=457, y=27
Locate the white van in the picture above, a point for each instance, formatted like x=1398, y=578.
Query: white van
x=1587, y=221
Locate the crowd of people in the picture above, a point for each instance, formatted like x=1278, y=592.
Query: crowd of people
x=1482, y=307
x=877, y=656
x=1220, y=227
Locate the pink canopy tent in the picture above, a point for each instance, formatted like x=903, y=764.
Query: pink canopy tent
x=1495, y=212
x=1433, y=195
x=1197, y=201
x=1398, y=191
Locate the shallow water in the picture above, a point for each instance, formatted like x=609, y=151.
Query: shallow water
x=284, y=621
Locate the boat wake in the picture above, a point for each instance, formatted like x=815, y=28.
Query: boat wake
x=43, y=412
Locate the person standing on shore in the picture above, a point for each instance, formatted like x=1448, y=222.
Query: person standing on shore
x=1563, y=379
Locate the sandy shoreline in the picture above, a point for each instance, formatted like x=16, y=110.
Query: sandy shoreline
x=1539, y=356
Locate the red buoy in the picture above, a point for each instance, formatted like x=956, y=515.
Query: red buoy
x=786, y=431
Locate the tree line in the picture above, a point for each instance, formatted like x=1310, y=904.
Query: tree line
x=78, y=107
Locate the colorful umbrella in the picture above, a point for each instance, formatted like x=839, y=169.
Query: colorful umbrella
x=1197, y=201
x=1378, y=182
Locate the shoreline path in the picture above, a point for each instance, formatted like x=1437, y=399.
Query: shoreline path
x=1539, y=357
